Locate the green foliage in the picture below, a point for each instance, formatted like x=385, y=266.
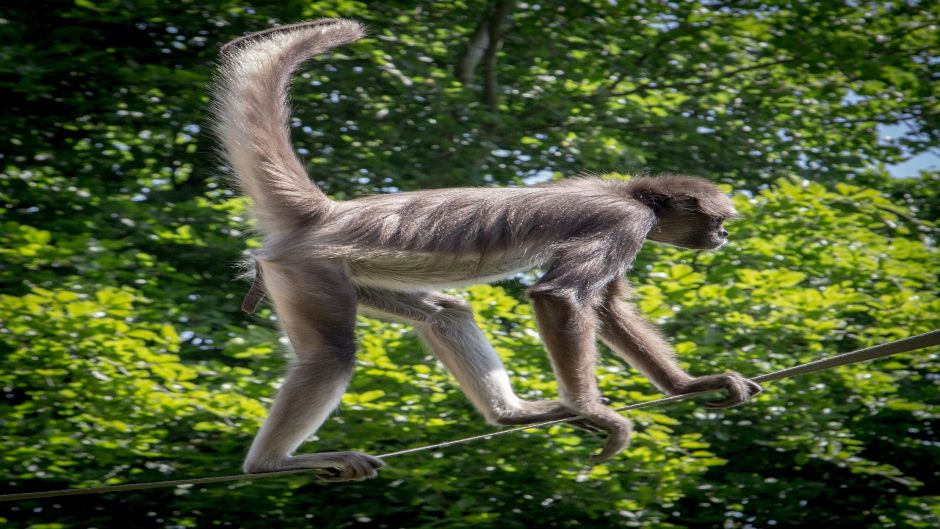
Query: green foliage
x=115, y=387
x=124, y=357
x=814, y=271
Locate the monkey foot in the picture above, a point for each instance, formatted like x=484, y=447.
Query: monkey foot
x=531, y=412
x=597, y=419
x=329, y=466
x=739, y=389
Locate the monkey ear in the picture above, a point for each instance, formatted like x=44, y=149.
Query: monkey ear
x=652, y=198
x=660, y=201
x=659, y=193
x=685, y=202
x=680, y=193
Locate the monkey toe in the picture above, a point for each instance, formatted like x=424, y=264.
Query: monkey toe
x=532, y=412
x=617, y=440
x=354, y=471
x=349, y=473
x=339, y=466
x=586, y=425
x=617, y=427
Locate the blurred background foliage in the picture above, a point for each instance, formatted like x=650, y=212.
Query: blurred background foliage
x=125, y=357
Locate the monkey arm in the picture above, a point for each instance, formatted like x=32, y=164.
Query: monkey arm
x=634, y=339
x=564, y=301
x=569, y=336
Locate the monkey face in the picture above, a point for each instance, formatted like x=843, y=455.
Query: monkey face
x=688, y=229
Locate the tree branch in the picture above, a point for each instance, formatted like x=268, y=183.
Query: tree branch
x=474, y=52
x=490, y=84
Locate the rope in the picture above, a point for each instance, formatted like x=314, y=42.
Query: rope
x=879, y=351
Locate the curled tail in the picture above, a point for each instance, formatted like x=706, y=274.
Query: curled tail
x=252, y=117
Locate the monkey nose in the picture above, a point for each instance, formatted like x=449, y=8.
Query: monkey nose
x=723, y=232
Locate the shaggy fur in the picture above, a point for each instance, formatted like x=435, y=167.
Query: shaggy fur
x=387, y=255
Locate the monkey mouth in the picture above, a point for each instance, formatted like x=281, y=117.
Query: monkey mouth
x=713, y=244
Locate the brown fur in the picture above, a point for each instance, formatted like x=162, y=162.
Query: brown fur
x=387, y=254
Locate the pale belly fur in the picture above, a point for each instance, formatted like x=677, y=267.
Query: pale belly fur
x=431, y=272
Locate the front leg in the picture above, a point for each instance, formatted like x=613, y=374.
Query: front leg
x=625, y=331
x=568, y=331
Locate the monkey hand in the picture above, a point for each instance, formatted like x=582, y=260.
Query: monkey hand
x=738, y=388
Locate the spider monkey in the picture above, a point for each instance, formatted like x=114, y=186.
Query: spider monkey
x=388, y=256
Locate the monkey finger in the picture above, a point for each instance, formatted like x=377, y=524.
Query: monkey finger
x=728, y=402
x=736, y=395
x=739, y=391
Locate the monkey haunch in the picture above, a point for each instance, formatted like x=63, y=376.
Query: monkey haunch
x=388, y=255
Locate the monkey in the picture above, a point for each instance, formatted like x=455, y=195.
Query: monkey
x=322, y=262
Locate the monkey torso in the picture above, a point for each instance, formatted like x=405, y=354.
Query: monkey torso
x=457, y=237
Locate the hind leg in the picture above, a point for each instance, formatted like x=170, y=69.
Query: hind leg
x=446, y=325
x=316, y=305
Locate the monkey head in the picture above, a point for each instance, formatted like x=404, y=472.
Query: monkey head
x=689, y=229
x=690, y=212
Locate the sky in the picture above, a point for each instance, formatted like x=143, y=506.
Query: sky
x=913, y=166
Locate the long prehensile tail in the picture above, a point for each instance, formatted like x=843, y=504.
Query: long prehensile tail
x=252, y=117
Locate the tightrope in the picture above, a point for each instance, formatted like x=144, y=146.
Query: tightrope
x=913, y=343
